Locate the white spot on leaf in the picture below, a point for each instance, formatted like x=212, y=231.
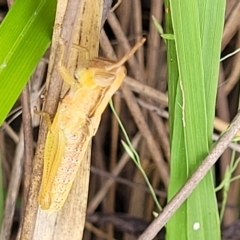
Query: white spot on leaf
x=196, y=226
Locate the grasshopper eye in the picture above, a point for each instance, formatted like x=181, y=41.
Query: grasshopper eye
x=79, y=72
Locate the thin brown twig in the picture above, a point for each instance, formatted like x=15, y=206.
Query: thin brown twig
x=193, y=181
x=162, y=135
x=126, y=182
x=230, y=6
x=147, y=91
x=93, y=204
x=146, y=133
x=137, y=21
x=97, y=232
x=113, y=161
x=13, y=189
x=233, y=79
x=137, y=71
x=10, y=3
x=162, y=98
x=5, y=167
x=124, y=14
x=154, y=39
x=28, y=140
x=222, y=107
x=12, y=134
x=106, y=7
x=223, y=112
x=231, y=26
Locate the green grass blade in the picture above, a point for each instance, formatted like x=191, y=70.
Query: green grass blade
x=25, y=35
x=211, y=45
x=192, y=93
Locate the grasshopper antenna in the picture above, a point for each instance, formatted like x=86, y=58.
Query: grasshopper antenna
x=127, y=55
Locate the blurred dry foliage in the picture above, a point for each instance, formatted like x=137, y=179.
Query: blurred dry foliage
x=119, y=202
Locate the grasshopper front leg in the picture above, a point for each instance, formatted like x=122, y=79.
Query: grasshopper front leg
x=63, y=71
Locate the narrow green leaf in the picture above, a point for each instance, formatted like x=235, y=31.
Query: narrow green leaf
x=168, y=36
x=192, y=93
x=165, y=36
x=128, y=150
x=157, y=25
x=25, y=35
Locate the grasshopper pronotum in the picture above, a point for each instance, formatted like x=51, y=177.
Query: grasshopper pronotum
x=75, y=123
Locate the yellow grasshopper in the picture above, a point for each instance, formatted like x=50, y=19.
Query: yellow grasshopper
x=75, y=123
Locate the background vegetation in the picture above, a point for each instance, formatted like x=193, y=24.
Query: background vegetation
x=120, y=204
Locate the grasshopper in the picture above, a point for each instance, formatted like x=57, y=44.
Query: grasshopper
x=76, y=122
